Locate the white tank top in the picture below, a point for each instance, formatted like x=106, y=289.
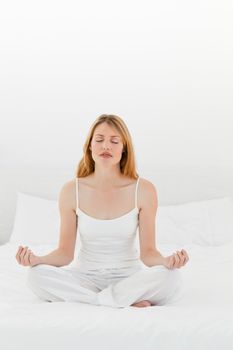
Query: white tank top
x=108, y=243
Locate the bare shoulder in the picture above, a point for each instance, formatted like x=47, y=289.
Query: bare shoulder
x=147, y=193
x=68, y=187
x=67, y=195
x=146, y=186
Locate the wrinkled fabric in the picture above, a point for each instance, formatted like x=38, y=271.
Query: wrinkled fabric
x=108, y=287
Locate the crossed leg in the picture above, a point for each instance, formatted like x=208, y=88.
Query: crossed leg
x=152, y=286
x=156, y=285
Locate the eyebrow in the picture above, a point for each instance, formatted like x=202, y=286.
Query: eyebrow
x=103, y=135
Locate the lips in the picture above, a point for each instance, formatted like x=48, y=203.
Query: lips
x=106, y=154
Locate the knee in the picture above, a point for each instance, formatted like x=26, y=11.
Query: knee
x=36, y=281
x=34, y=274
x=170, y=278
x=174, y=276
x=173, y=282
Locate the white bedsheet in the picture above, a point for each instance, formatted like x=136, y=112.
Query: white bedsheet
x=200, y=318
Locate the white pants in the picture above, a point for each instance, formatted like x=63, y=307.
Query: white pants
x=114, y=287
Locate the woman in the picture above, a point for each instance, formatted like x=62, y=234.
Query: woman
x=114, y=201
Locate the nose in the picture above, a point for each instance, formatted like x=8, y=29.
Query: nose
x=106, y=145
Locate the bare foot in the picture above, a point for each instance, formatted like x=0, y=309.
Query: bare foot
x=142, y=303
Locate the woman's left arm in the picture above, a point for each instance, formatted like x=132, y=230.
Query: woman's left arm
x=176, y=260
x=149, y=253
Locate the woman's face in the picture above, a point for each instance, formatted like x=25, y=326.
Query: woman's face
x=106, y=139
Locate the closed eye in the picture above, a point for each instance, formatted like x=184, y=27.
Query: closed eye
x=112, y=141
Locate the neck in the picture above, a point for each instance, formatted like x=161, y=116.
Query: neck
x=106, y=178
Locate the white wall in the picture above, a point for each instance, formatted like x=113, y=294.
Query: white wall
x=165, y=67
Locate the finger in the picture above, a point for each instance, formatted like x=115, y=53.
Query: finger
x=184, y=252
x=30, y=256
x=22, y=255
x=19, y=249
x=177, y=260
x=186, y=258
x=181, y=259
x=186, y=255
x=18, y=253
x=26, y=257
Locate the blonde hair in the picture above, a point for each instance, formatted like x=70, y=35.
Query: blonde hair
x=86, y=165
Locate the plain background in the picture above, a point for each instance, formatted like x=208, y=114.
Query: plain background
x=165, y=67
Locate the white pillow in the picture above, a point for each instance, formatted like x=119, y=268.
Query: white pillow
x=183, y=224
x=221, y=220
x=208, y=222
x=37, y=221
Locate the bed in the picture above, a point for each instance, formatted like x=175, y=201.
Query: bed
x=200, y=317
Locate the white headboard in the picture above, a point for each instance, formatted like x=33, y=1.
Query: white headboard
x=175, y=185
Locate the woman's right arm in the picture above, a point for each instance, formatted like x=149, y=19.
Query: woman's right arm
x=64, y=254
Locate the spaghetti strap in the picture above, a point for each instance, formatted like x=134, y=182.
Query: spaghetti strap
x=136, y=192
x=76, y=187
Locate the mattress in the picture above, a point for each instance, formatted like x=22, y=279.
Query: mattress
x=201, y=317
